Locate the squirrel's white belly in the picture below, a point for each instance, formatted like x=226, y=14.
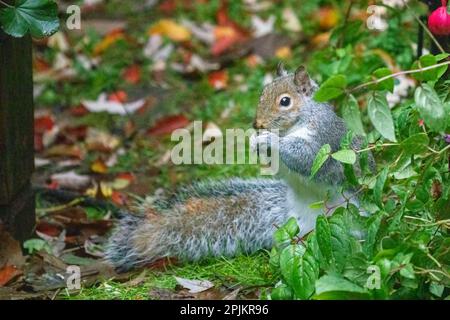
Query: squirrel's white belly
x=303, y=192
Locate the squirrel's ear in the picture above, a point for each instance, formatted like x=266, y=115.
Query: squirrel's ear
x=280, y=69
x=302, y=80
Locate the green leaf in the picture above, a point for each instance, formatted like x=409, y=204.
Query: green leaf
x=39, y=17
x=317, y=205
x=337, y=287
x=387, y=84
x=340, y=239
x=372, y=232
x=431, y=108
x=345, y=156
x=425, y=61
x=33, y=245
x=282, y=292
x=321, y=157
x=323, y=234
x=286, y=232
x=380, y=115
x=352, y=115
x=379, y=186
x=415, y=144
x=332, y=88
x=299, y=269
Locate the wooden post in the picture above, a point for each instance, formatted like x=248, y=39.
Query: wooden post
x=17, y=204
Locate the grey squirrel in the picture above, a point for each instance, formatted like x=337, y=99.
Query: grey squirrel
x=224, y=218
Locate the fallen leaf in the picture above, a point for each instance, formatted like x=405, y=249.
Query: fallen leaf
x=102, y=104
x=8, y=273
x=99, y=166
x=119, y=198
x=119, y=96
x=291, y=21
x=102, y=141
x=71, y=180
x=63, y=150
x=170, y=29
x=132, y=74
x=232, y=295
x=10, y=249
x=168, y=124
x=283, y=52
x=108, y=41
x=218, y=79
x=49, y=229
x=194, y=286
x=262, y=27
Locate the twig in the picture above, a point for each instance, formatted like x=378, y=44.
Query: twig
x=6, y=5
x=376, y=146
x=60, y=207
x=347, y=16
x=396, y=75
x=425, y=28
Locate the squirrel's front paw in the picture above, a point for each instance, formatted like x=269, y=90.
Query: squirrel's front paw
x=263, y=140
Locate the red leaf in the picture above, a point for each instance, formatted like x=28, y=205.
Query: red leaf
x=218, y=79
x=79, y=111
x=119, y=198
x=118, y=96
x=43, y=123
x=132, y=74
x=48, y=228
x=168, y=124
x=167, y=6
x=126, y=176
x=8, y=273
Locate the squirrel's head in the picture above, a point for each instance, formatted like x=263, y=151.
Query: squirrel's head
x=281, y=102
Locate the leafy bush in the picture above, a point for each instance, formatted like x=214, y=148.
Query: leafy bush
x=400, y=249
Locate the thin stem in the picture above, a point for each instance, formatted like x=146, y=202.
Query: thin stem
x=347, y=16
x=398, y=74
x=425, y=28
x=6, y=5
x=376, y=146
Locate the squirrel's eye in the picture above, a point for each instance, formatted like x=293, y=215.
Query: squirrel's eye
x=285, y=101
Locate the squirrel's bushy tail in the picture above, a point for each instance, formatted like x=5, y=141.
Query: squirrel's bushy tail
x=207, y=219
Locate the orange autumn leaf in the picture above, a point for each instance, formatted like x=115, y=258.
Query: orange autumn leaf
x=8, y=273
x=320, y=40
x=327, y=17
x=283, y=52
x=170, y=29
x=108, y=41
x=119, y=198
x=224, y=32
x=218, y=79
